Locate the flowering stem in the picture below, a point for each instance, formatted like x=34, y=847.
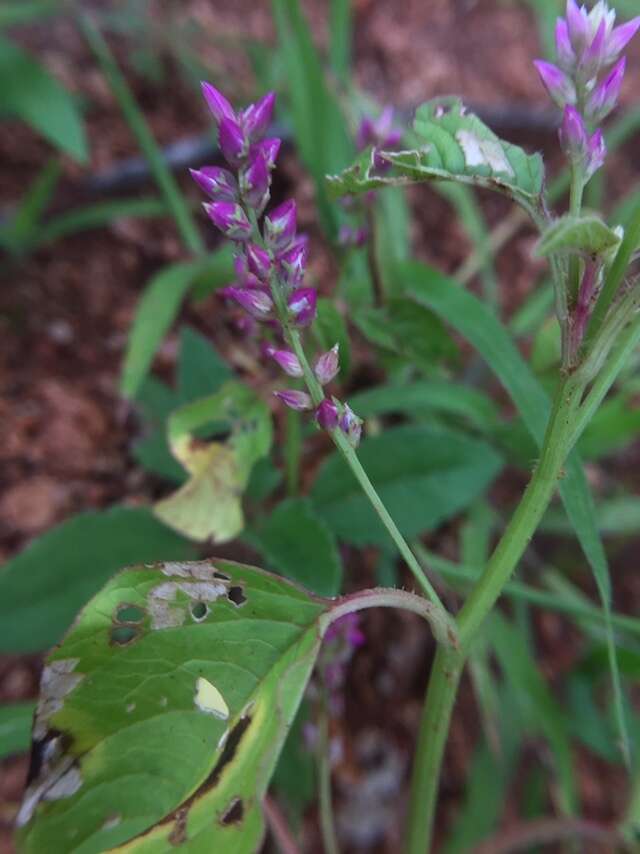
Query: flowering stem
x=448, y=662
x=342, y=444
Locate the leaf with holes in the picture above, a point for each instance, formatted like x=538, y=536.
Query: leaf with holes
x=162, y=713
x=451, y=144
x=208, y=504
x=588, y=234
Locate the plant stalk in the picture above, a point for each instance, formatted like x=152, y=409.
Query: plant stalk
x=448, y=663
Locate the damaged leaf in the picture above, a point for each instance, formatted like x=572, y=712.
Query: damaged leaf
x=169, y=737
x=209, y=505
x=451, y=144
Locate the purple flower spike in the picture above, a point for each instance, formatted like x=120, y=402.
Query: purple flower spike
x=573, y=134
x=256, y=303
x=217, y=103
x=293, y=263
x=566, y=55
x=232, y=141
x=257, y=117
x=298, y=400
x=605, y=96
x=620, y=38
x=287, y=360
x=302, y=305
x=254, y=183
x=269, y=148
x=559, y=86
x=216, y=182
x=351, y=426
x=230, y=219
x=596, y=154
x=327, y=366
x=280, y=226
x=327, y=415
x=258, y=261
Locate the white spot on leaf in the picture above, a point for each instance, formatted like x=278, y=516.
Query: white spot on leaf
x=208, y=699
x=166, y=613
x=130, y=708
x=483, y=152
x=56, y=682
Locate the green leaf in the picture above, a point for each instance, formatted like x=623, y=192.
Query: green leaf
x=156, y=312
x=423, y=398
x=165, y=709
x=201, y=370
x=423, y=476
x=298, y=542
x=43, y=587
x=483, y=329
x=413, y=333
x=588, y=234
x=22, y=230
x=31, y=94
x=451, y=145
x=538, y=706
x=15, y=728
x=208, y=504
x=97, y=216
x=320, y=129
x=14, y=12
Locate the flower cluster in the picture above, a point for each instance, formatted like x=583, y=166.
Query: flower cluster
x=270, y=259
x=586, y=81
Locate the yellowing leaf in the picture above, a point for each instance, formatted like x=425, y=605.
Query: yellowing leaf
x=209, y=505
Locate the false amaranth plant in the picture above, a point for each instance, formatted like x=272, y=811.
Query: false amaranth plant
x=163, y=712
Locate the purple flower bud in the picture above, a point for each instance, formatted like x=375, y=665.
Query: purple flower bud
x=605, y=96
x=302, y=306
x=379, y=132
x=327, y=415
x=346, y=628
x=257, y=117
x=232, y=141
x=280, y=226
x=578, y=27
x=269, y=148
x=217, y=183
x=287, y=360
x=573, y=134
x=217, y=103
x=245, y=277
x=592, y=58
x=292, y=263
x=596, y=154
x=559, y=86
x=351, y=425
x=566, y=55
x=619, y=38
x=257, y=303
x=327, y=365
x=258, y=261
x=254, y=183
x=365, y=134
x=298, y=400
x=230, y=219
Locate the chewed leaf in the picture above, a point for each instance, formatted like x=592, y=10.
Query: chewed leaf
x=162, y=713
x=209, y=503
x=450, y=145
x=587, y=234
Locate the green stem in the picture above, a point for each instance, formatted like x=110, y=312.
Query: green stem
x=342, y=444
x=327, y=826
x=142, y=132
x=448, y=663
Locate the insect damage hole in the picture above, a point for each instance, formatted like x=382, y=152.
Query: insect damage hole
x=199, y=611
x=126, y=613
x=123, y=635
x=236, y=596
x=234, y=813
